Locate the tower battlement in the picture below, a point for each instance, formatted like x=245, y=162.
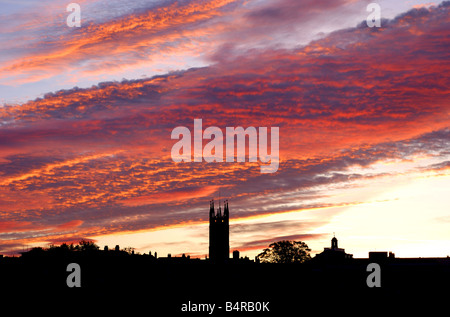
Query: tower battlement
x=219, y=232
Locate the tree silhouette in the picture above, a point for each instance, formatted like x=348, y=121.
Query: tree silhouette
x=129, y=250
x=285, y=251
x=89, y=246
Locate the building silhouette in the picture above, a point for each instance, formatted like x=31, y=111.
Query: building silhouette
x=334, y=253
x=219, y=233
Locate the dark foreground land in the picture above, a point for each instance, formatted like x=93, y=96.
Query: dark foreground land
x=165, y=285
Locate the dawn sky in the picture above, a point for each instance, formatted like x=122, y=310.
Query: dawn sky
x=86, y=116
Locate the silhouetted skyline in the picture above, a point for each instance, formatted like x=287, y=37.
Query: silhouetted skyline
x=219, y=247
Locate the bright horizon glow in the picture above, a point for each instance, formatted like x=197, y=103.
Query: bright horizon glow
x=417, y=225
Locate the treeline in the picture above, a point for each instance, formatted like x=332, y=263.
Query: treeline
x=83, y=247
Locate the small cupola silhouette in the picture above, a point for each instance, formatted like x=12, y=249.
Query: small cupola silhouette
x=334, y=243
x=334, y=253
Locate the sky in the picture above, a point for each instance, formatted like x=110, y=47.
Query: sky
x=86, y=115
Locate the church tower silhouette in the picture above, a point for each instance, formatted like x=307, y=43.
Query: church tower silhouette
x=219, y=233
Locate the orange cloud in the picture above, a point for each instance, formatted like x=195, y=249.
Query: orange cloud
x=28, y=226
x=69, y=225
x=158, y=27
x=14, y=226
x=171, y=196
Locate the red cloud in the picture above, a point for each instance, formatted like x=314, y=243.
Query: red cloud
x=69, y=225
x=171, y=196
x=23, y=226
x=15, y=226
